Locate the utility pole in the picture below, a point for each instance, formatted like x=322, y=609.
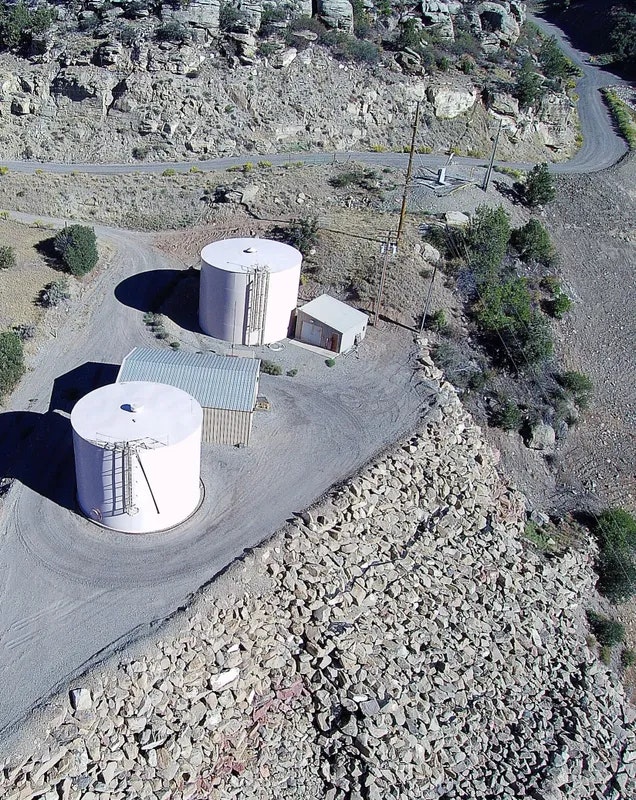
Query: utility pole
x=408, y=174
x=388, y=248
x=484, y=185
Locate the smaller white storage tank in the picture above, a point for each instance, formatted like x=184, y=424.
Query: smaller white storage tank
x=249, y=289
x=137, y=456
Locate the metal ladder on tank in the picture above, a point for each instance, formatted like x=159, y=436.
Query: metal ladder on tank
x=130, y=450
x=258, y=294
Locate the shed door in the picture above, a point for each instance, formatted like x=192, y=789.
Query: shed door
x=311, y=333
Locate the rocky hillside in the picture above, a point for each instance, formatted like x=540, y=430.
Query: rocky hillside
x=396, y=641
x=126, y=80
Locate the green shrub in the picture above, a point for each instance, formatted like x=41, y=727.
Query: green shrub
x=559, y=305
x=533, y=242
x=230, y=17
x=76, y=246
x=361, y=19
x=362, y=178
x=25, y=330
x=151, y=319
x=504, y=306
x=616, y=529
x=533, y=343
x=169, y=173
x=330, y=362
x=529, y=86
x=487, y=238
x=54, y=292
x=4, y=170
x=554, y=64
x=437, y=321
x=624, y=117
x=539, y=537
x=605, y=654
x=608, y=631
x=175, y=345
x=578, y=386
x=628, y=658
x=270, y=15
x=19, y=22
x=539, y=188
x=410, y=35
x=302, y=234
x=467, y=65
x=577, y=383
x=550, y=284
x=11, y=361
x=615, y=532
x=292, y=372
x=7, y=256
x=271, y=368
x=459, y=368
x=617, y=575
x=508, y=416
x=173, y=32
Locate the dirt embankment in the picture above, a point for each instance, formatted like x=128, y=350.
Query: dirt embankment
x=593, y=225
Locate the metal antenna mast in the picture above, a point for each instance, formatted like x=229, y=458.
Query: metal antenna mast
x=408, y=173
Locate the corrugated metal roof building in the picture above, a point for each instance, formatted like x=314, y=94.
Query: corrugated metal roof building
x=329, y=323
x=225, y=386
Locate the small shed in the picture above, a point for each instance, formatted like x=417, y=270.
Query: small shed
x=331, y=324
x=226, y=387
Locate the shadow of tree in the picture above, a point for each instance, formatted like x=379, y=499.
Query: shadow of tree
x=172, y=292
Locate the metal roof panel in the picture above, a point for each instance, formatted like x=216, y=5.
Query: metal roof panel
x=334, y=313
x=228, y=382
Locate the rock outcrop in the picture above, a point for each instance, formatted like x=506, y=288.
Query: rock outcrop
x=450, y=101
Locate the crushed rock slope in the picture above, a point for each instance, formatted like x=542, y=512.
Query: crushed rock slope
x=397, y=640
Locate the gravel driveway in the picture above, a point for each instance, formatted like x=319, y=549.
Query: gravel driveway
x=71, y=592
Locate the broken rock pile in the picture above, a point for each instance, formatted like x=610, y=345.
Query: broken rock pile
x=396, y=641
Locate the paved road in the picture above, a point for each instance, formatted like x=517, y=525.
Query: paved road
x=602, y=146
x=70, y=593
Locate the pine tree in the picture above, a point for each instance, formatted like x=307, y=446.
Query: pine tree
x=539, y=188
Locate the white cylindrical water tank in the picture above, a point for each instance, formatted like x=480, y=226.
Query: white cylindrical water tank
x=249, y=289
x=137, y=455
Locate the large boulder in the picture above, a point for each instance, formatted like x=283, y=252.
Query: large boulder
x=430, y=253
x=21, y=104
x=554, y=120
x=336, y=14
x=501, y=104
x=543, y=438
x=451, y=101
x=438, y=14
x=499, y=22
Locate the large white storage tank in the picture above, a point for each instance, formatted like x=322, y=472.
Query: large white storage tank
x=137, y=456
x=249, y=289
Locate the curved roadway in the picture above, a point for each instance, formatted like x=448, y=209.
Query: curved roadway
x=602, y=145
x=70, y=593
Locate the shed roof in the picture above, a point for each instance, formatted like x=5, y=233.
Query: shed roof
x=215, y=381
x=334, y=313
